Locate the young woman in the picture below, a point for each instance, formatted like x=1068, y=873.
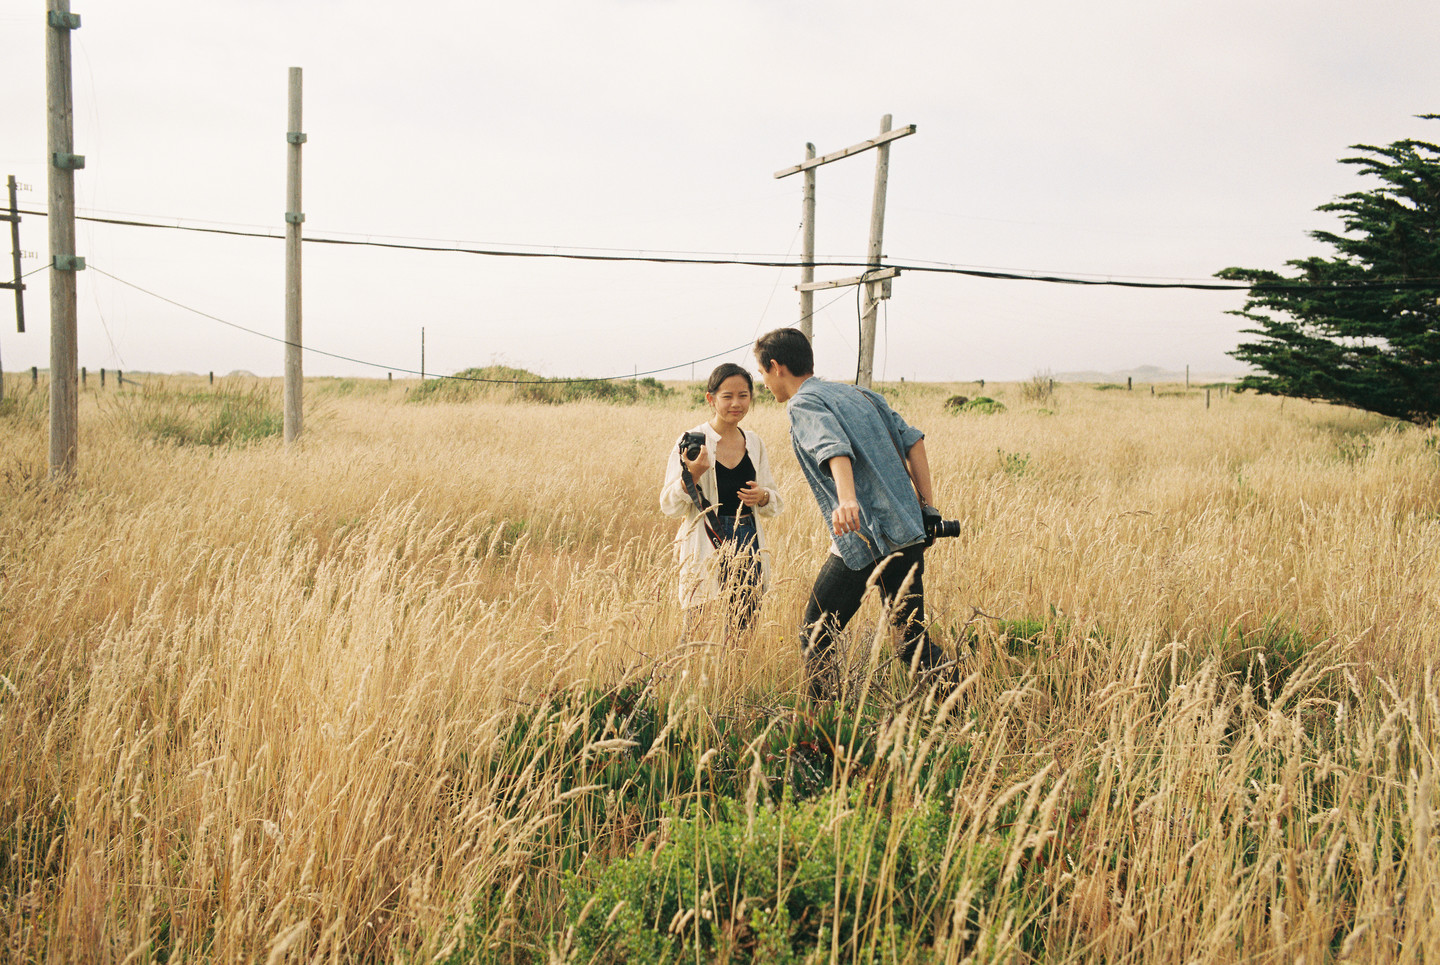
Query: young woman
x=720, y=495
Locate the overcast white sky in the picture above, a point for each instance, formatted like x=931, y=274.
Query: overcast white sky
x=1118, y=138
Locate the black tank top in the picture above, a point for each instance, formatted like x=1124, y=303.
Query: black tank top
x=729, y=482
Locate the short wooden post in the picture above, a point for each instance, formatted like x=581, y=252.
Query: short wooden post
x=389, y=376
x=119, y=378
x=1207, y=398
x=212, y=378
x=1187, y=378
x=102, y=378
x=82, y=376
x=1152, y=390
x=34, y=376
x=1129, y=383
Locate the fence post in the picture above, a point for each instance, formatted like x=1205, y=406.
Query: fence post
x=102, y=378
x=212, y=378
x=1207, y=398
x=1129, y=383
x=82, y=376
x=34, y=376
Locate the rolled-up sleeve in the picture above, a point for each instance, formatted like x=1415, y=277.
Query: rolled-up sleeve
x=814, y=428
x=906, y=433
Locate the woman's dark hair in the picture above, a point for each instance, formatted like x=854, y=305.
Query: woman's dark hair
x=723, y=372
x=789, y=347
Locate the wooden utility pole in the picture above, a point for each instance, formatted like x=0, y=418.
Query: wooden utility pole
x=294, y=218
x=807, y=231
x=875, y=290
x=875, y=280
x=60, y=132
x=14, y=218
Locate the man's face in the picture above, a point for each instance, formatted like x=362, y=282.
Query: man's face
x=771, y=377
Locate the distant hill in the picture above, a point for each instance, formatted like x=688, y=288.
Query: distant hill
x=1146, y=373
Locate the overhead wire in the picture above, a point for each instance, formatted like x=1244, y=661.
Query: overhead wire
x=643, y=256
x=397, y=368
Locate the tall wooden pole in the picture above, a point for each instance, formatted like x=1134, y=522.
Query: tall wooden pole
x=807, y=230
x=294, y=218
x=60, y=117
x=875, y=281
x=14, y=218
x=877, y=235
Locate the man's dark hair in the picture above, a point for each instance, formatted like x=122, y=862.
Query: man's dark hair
x=724, y=371
x=789, y=347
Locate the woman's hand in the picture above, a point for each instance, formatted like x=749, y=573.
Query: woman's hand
x=753, y=496
x=698, y=466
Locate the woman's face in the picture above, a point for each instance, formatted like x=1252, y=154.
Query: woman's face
x=731, y=401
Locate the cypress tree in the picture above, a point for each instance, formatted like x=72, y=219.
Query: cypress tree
x=1360, y=328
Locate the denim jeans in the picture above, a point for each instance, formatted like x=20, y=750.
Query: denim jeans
x=739, y=561
x=836, y=597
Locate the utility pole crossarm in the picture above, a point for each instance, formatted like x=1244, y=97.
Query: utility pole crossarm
x=885, y=138
x=869, y=276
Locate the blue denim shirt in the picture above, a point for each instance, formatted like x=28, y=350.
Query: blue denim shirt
x=829, y=419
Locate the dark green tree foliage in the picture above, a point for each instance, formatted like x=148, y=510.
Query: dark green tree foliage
x=1361, y=328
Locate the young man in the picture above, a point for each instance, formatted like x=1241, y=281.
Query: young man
x=869, y=473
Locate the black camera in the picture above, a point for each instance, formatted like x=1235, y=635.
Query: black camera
x=936, y=527
x=691, y=443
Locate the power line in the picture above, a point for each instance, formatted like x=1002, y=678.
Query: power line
x=397, y=368
x=932, y=268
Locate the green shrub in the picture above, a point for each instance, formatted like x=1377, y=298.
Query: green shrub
x=519, y=385
x=664, y=764
x=211, y=417
x=775, y=883
x=1014, y=463
x=983, y=404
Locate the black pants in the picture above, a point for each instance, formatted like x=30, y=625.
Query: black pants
x=836, y=596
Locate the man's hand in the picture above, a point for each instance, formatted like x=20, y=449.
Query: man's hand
x=846, y=517
x=930, y=517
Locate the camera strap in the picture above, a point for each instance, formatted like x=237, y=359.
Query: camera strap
x=701, y=503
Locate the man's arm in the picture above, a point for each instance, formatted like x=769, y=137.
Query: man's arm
x=846, y=517
x=918, y=464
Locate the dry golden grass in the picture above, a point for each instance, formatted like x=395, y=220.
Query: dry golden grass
x=245, y=689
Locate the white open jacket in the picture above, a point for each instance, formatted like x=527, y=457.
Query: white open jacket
x=699, y=577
